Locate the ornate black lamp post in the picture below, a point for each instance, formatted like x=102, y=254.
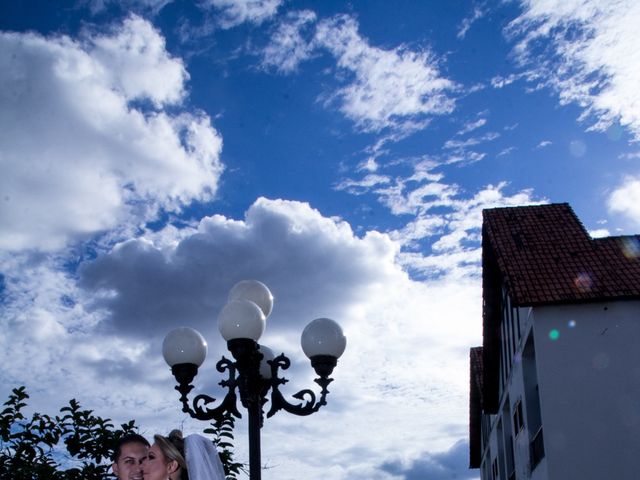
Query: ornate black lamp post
x=254, y=373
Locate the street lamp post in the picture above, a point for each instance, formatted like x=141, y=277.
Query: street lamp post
x=253, y=375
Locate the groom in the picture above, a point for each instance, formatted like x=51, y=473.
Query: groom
x=128, y=456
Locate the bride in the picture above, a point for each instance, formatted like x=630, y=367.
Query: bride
x=174, y=458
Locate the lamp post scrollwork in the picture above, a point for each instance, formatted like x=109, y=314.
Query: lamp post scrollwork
x=253, y=374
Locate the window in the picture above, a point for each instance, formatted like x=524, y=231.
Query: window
x=486, y=472
x=486, y=429
x=532, y=402
x=503, y=355
x=486, y=466
x=508, y=440
x=501, y=449
x=537, y=449
x=518, y=419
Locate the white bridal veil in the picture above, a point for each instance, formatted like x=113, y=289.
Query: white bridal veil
x=203, y=462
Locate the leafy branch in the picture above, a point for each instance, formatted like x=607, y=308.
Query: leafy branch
x=222, y=431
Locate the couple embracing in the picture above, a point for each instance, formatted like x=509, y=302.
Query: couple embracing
x=169, y=458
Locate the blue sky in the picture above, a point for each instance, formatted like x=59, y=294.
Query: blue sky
x=155, y=152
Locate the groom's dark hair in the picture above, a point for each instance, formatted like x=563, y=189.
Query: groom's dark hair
x=128, y=438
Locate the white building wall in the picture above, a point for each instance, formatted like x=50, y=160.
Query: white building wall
x=588, y=359
x=513, y=392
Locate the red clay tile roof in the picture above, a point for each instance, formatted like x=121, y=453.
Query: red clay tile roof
x=543, y=255
x=475, y=407
x=546, y=256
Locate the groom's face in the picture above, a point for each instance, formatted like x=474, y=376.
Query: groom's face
x=129, y=464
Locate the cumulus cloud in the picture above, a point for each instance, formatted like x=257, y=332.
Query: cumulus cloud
x=276, y=242
x=80, y=151
x=104, y=333
x=594, y=55
x=599, y=233
x=131, y=60
x=47, y=326
x=625, y=199
x=107, y=327
x=436, y=466
x=399, y=352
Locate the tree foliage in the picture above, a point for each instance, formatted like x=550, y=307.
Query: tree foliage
x=76, y=445
x=222, y=431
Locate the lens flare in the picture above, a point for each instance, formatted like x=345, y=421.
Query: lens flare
x=583, y=282
x=577, y=148
x=572, y=323
x=554, y=334
x=631, y=247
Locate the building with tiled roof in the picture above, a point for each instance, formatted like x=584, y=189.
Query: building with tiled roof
x=555, y=387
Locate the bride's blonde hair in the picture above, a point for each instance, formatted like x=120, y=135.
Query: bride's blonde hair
x=172, y=448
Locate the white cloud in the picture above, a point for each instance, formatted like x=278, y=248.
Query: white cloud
x=46, y=325
x=442, y=237
x=629, y=156
x=79, y=152
x=470, y=126
x=457, y=222
x=287, y=47
x=468, y=21
x=469, y=142
x=543, y=144
x=397, y=89
x=506, y=151
x=625, y=199
x=236, y=12
x=500, y=82
x=439, y=466
x=178, y=275
x=153, y=6
x=596, y=55
x=397, y=342
x=356, y=186
x=131, y=60
x=465, y=157
x=369, y=164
